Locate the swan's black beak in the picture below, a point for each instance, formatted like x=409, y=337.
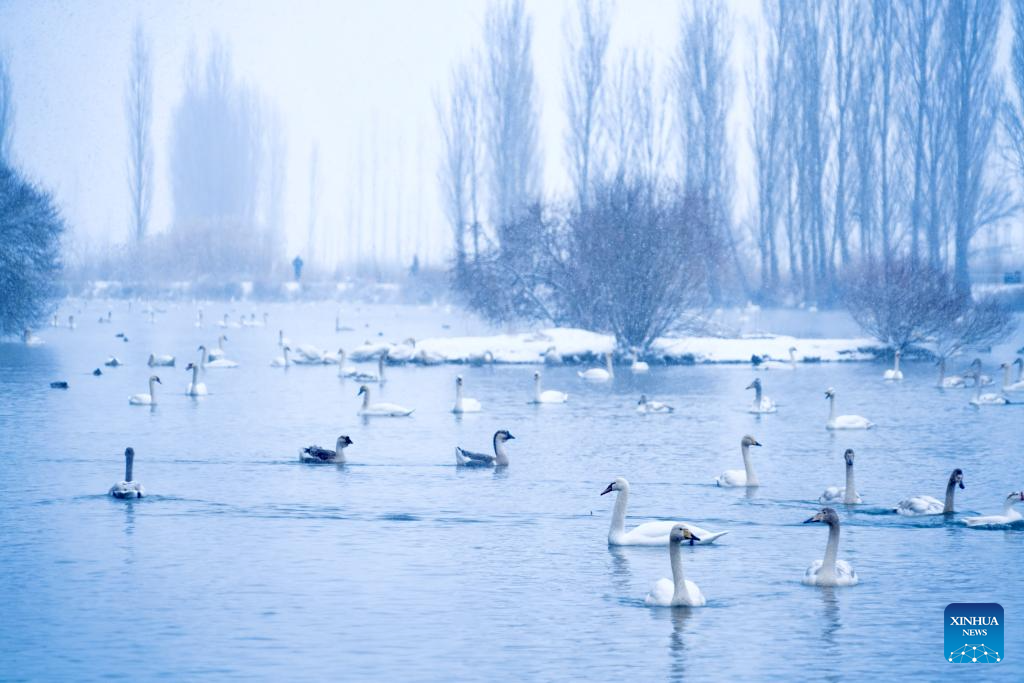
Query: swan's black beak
x=757, y=443
x=609, y=489
x=750, y=386
x=961, y=482
x=812, y=519
x=694, y=539
x=510, y=437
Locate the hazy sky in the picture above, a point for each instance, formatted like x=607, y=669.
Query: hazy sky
x=349, y=76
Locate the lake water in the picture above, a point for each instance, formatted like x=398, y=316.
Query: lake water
x=242, y=563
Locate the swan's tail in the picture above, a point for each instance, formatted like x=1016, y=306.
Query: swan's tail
x=708, y=539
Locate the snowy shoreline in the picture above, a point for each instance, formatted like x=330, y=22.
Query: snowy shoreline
x=576, y=345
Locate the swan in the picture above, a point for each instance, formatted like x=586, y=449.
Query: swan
x=464, y=458
x=146, y=399
x=549, y=396
x=919, y=506
x=951, y=382
x=31, y=339
x=1008, y=384
x=894, y=374
x=478, y=359
x=108, y=319
x=846, y=494
x=829, y=571
x=366, y=377
x=195, y=387
x=308, y=355
x=380, y=409
x=974, y=372
x=127, y=488
x=282, y=360
x=214, y=354
x=464, y=404
x=778, y=364
x=843, y=421
x=317, y=454
x=599, y=374
x=282, y=341
x=680, y=591
x=161, y=361
x=402, y=353
x=199, y=318
x=1009, y=515
x=638, y=366
x=222, y=363
x=338, y=327
x=746, y=476
x=762, y=404
x=71, y=322
x=552, y=356
x=344, y=370
x=55, y=321
x=226, y=323
x=645, y=406
x=988, y=398
x=648, y=533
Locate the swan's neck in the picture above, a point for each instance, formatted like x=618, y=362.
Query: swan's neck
x=152, y=385
x=675, y=552
x=757, y=395
x=500, y=456
x=792, y=358
x=831, y=408
x=896, y=363
x=608, y=364
x=202, y=358
x=851, y=486
x=339, y=452
x=128, y=462
x=1006, y=376
x=828, y=565
x=749, y=467
x=341, y=363
x=220, y=343
x=280, y=337
x=195, y=376
x=950, y=491
x=618, y=526
x=380, y=368
x=366, y=399
x=1020, y=372
x=458, y=402
x=536, y=388
x=942, y=371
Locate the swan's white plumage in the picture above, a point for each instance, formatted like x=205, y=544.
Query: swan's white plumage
x=663, y=591
x=917, y=506
x=844, y=575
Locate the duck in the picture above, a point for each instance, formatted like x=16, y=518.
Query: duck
x=127, y=488
x=950, y=382
x=60, y=384
x=369, y=378
x=894, y=374
x=599, y=374
x=464, y=404
x=843, y=421
x=844, y=494
x=113, y=362
x=464, y=458
x=644, y=406
x=146, y=399
x=745, y=477
x=766, y=363
x=195, y=387
x=762, y=404
x=552, y=356
x=829, y=571
x=315, y=454
x=381, y=409
x=282, y=361
x=1009, y=384
x=679, y=591
x=648, y=533
x=988, y=398
x=920, y=506
x=214, y=354
x=160, y=361
x=1009, y=516
x=548, y=396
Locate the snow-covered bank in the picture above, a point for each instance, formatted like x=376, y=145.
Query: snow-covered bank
x=577, y=345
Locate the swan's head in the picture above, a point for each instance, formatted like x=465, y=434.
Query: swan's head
x=362, y=390
x=503, y=435
x=1019, y=361
x=1014, y=497
x=190, y=366
x=756, y=384
x=222, y=338
x=536, y=374
x=620, y=484
x=458, y=380
x=643, y=400
x=154, y=378
x=792, y=349
x=129, y=453
x=344, y=442
x=826, y=516
x=202, y=348
x=286, y=348
x=957, y=477
x=749, y=441
x=830, y=393
x=1003, y=366
x=848, y=457
x=680, y=534
x=898, y=353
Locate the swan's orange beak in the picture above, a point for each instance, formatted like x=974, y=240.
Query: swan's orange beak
x=609, y=489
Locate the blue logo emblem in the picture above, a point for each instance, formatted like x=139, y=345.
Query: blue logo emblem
x=974, y=633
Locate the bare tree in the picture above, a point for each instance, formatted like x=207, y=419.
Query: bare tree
x=847, y=29
x=457, y=120
x=313, y=210
x=6, y=110
x=636, y=121
x=139, y=112
x=1013, y=108
x=884, y=29
x=586, y=37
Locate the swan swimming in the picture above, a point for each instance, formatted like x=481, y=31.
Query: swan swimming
x=222, y=363
x=648, y=533
x=920, y=506
x=315, y=454
x=974, y=372
x=195, y=387
x=214, y=354
x=894, y=374
x=381, y=409
x=762, y=404
x=843, y=421
x=845, y=494
x=464, y=404
x=599, y=374
x=746, y=476
x=778, y=364
x=988, y=398
x=31, y=339
x=552, y=356
x=282, y=361
x=638, y=366
x=160, y=361
x=829, y=571
x=680, y=591
x=950, y=382
x=548, y=396
x=474, y=359
x=146, y=399
x=127, y=488
x=345, y=370
x=366, y=377
x=1011, y=385
x=645, y=406
x=1009, y=516
x=464, y=458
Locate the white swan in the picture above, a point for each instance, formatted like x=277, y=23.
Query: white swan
x=829, y=571
x=345, y=370
x=315, y=454
x=464, y=404
x=282, y=341
x=1009, y=515
x=920, y=506
x=195, y=387
x=549, y=396
x=380, y=409
x=71, y=322
x=366, y=377
x=305, y=354
x=988, y=398
x=645, y=406
x=599, y=374
x=226, y=323
x=778, y=364
x=638, y=367
x=974, y=372
x=1011, y=385
x=843, y=421
x=762, y=404
x=894, y=374
x=746, y=476
x=950, y=382
x=214, y=354
x=402, y=353
x=282, y=361
x=844, y=494
x=221, y=363
x=425, y=357
x=552, y=356
x=680, y=591
x=464, y=458
x=648, y=533
x=127, y=488
x=475, y=359
x=146, y=399
x=31, y=339
x=160, y=361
